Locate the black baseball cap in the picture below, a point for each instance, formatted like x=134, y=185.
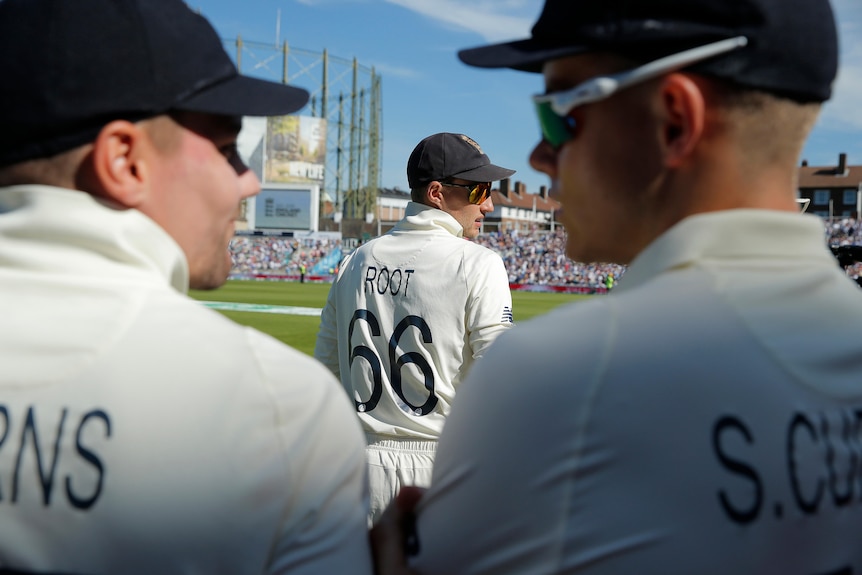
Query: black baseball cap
x=71, y=66
x=792, y=47
x=445, y=155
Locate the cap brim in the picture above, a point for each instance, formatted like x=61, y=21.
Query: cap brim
x=245, y=96
x=530, y=54
x=489, y=173
x=526, y=55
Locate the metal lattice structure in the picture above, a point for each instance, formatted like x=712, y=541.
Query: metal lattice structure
x=348, y=96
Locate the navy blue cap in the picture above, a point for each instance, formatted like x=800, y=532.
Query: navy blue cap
x=445, y=155
x=72, y=66
x=792, y=48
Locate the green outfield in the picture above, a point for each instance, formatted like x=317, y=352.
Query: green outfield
x=300, y=331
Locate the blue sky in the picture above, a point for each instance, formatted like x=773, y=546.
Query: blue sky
x=412, y=45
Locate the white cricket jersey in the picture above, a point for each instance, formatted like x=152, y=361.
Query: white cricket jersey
x=406, y=318
x=143, y=433
x=704, y=418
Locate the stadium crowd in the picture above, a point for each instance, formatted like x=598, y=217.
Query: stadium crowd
x=539, y=258
x=533, y=258
x=268, y=255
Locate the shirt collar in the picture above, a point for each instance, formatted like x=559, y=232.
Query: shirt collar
x=68, y=231
x=419, y=216
x=744, y=234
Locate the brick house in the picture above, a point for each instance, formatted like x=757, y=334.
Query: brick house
x=832, y=191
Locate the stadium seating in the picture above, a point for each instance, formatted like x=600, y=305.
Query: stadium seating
x=535, y=258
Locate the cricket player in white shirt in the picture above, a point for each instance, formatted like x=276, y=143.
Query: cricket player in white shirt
x=704, y=417
x=143, y=433
x=411, y=311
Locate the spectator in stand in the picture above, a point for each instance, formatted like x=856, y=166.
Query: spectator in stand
x=539, y=258
x=263, y=255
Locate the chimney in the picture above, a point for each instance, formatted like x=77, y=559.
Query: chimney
x=804, y=163
x=520, y=188
x=543, y=192
x=504, y=188
x=842, y=164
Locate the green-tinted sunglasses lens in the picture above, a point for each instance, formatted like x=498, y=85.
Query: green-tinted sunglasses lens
x=556, y=130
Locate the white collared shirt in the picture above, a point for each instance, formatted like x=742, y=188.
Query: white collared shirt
x=407, y=317
x=702, y=418
x=142, y=432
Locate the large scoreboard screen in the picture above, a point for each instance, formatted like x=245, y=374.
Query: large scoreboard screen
x=285, y=207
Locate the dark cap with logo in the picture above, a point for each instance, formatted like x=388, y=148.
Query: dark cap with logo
x=71, y=66
x=443, y=156
x=792, y=47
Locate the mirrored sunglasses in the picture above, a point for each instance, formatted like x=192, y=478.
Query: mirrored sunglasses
x=554, y=110
x=479, y=192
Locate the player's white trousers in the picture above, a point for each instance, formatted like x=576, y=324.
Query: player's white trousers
x=395, y=462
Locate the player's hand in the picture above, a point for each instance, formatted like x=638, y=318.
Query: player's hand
x=394, y=533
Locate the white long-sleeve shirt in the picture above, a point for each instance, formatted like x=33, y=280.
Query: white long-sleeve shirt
x=703, y=418
x=143, y=433
x=406, y=318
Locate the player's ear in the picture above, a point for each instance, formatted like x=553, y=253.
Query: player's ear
x=118, y=163
x=434, y=195
x=683, y=110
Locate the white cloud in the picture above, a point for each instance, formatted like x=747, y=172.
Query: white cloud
x=843, y=112
x=320, y=2
x=385, y=69
x=493, y=20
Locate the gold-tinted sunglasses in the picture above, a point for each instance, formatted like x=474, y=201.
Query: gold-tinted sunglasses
x=479, y=191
